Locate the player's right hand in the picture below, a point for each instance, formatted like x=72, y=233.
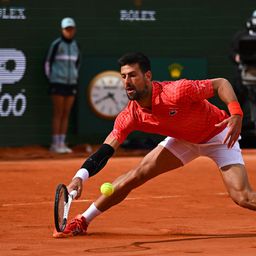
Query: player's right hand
x=234, y=124
x=76, y=184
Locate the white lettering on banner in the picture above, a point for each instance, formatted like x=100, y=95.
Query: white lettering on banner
x=12, y=70
x=12, y=66
x=12, y=13
x=137, y=15
x=12, y=105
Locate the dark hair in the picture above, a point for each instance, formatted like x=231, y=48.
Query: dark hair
x=133, y=58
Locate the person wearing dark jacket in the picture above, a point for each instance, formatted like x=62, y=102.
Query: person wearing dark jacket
x=244, y=42
x=62, y=68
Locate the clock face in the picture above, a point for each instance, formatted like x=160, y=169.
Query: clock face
x=107, y=95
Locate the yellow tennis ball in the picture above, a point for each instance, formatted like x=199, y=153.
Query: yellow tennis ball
x=107, y=189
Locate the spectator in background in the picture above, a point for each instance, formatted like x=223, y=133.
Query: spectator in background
x=243, y=47
x=61, y=69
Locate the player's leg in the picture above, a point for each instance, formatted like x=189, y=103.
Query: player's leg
x=230, y=162
x=168, y=155
x=236, y=181
x=158, y=161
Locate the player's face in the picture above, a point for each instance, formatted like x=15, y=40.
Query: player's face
x=69, y=32
x=136, y=82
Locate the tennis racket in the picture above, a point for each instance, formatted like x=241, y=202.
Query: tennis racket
x=62, y=204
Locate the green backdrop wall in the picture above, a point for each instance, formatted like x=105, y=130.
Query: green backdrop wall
x=195, y=34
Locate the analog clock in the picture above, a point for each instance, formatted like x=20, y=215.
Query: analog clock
x=106, y=93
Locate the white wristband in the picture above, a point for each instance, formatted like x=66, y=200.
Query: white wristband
x=82, y=174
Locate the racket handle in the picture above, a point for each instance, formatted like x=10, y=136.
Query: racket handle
x=73, y=194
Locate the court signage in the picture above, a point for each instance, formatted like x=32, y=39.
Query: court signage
x=12, y=70
x=12, y=13
x=137, y=15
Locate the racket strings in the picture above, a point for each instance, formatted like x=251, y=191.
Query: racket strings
x=61, y=209
x=62, y=205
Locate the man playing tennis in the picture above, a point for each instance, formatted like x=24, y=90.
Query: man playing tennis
x=193, y=126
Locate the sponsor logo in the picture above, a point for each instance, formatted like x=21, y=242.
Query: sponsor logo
x=12, y=105
x=175, y=70
x=12, y=66
x=137, y=15
x=12, y=13
x=12, y=70
x=173, y=112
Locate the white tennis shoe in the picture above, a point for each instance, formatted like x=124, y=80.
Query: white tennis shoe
x=60, y=149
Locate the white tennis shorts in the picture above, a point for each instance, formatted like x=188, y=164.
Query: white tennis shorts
x=214, y=148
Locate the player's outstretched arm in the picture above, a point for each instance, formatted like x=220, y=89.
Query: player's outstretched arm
x=224, y=90
x=93, y=164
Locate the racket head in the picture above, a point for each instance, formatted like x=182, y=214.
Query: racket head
x=61, y=199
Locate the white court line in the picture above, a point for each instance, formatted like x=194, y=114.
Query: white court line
x=91, y=200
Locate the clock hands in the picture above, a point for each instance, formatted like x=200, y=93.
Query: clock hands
x=102, y=99
x=109, y=95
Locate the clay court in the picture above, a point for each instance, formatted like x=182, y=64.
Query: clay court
x=183, y=212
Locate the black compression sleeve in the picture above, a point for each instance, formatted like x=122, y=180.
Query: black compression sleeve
x=98, y=160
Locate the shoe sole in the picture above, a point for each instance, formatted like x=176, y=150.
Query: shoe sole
x=63, y=235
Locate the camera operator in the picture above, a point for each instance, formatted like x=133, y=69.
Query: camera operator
x=243, y=55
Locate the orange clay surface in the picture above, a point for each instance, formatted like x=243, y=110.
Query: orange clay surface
x=183, y=212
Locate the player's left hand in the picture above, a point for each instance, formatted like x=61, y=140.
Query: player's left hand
x=234, y=124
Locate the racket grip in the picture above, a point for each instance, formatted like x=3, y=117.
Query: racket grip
x=73, y=194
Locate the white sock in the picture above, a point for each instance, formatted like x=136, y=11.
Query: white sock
x=91, y=213
x=55, y=139
x=62, y=139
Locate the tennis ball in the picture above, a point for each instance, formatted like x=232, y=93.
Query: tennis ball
x=107, y=189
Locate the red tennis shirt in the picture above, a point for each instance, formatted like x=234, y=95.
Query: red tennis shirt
x=180, y=109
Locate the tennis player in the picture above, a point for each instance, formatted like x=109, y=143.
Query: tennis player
x=193, y=126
